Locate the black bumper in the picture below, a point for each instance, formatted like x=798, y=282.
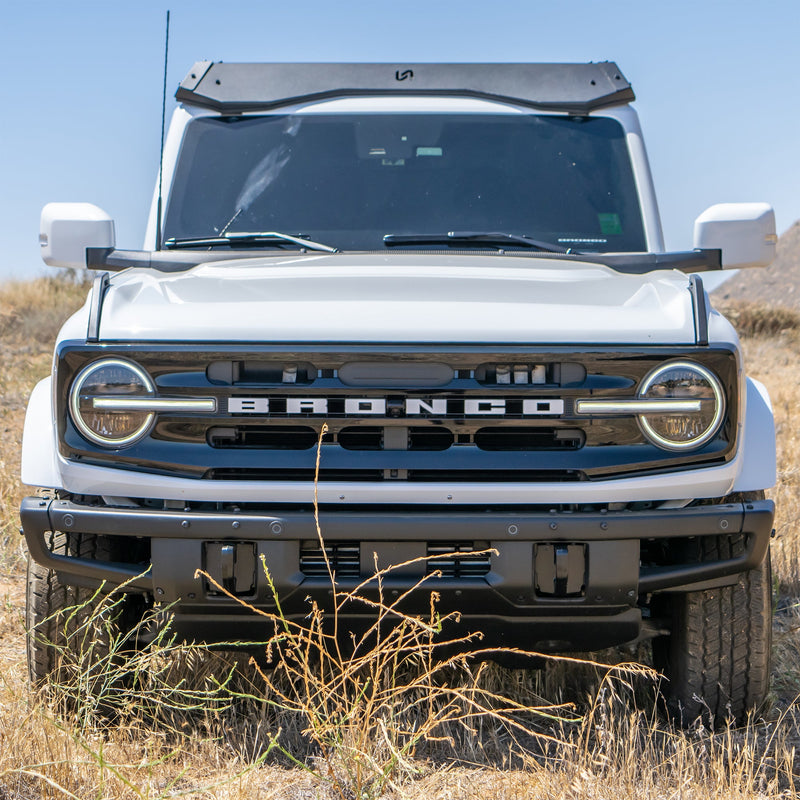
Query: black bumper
x=507, y=599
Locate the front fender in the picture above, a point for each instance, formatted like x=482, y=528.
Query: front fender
x=759, y=461
x=39, y=450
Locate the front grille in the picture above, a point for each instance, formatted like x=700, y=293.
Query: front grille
x=405, y=413
x=343, y=558
x=457, y=560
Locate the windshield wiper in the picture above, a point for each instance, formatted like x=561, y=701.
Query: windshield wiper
x=480, y=237
x=233, y=239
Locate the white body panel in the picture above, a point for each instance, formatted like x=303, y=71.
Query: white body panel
x=67, y=229
x=400, y=298
x=744, y=232
x=759, y=468
x=39, y=449
x=711, y=482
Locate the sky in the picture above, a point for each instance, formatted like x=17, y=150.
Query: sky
x=717, y=87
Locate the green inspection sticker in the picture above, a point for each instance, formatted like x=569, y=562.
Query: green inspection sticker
x=609, y=224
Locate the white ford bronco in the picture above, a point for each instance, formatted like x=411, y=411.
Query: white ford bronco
x=459, y=270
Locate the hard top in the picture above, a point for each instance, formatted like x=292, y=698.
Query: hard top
x=237, y=88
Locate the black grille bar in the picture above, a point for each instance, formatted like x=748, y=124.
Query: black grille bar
x=457, y=560
x=343, y=558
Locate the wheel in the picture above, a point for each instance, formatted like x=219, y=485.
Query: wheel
x=73, y=633
x=717, y=658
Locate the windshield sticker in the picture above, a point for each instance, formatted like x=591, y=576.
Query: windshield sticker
x=610, y=224
x=429, y=151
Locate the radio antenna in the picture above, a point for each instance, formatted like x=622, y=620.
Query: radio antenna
x=163, y=119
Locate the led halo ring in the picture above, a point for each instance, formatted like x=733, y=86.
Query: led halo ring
x=719, y=402
x=74, y=402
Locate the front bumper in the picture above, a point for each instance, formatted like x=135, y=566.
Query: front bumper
x=508, y=599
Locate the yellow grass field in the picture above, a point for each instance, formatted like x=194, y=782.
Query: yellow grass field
x=197, y=740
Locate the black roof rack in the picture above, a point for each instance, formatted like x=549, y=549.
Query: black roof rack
x=571, y=88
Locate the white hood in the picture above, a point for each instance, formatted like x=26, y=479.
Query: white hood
x=400, y=298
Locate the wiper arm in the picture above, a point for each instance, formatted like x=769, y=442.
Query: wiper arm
x=232, y=239
x=482, y=237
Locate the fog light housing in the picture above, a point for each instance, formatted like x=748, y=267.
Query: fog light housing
x=683, y=380
x=111, y=378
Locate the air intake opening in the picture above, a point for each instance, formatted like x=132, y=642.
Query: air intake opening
x=343, y=558
x=506, y=438
x=456, y=560
x=264, y=437
x=261, y=373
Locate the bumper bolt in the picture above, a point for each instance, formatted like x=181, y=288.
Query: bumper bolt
x=235, y=525
x=185, y=523
x=553, y=526
x=604, y=526
x=723, y=523
x=513, y=530
x=160, y=592
x=276, y=527
x=69, y=521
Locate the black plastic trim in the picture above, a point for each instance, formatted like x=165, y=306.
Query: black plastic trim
x=754, y=519
x=99, y=289
x=700, y=309
x=181, y=260
x=231, y=88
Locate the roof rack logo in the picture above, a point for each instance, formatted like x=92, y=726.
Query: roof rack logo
x=406, y=74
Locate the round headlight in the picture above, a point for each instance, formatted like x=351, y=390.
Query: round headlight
x=683, y=380
x=91, y=402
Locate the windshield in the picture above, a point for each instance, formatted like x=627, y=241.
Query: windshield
x=350, y=179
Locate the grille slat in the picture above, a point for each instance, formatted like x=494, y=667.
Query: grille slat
x=453, y=560
x=457, y=560
x=423, y=476
x=344, y=559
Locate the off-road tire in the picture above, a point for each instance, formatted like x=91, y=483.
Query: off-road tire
x=717, y=658
x=65, y=632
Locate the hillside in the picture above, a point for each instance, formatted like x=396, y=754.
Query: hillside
x=778, y=284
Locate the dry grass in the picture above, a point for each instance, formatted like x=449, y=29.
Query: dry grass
x=758, y=319
x=220, y=741
x=31, y=312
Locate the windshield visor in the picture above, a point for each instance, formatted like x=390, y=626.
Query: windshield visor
x=350, y=179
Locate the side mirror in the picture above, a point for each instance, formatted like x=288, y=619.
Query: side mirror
x=744, y=232
x=67, y=229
